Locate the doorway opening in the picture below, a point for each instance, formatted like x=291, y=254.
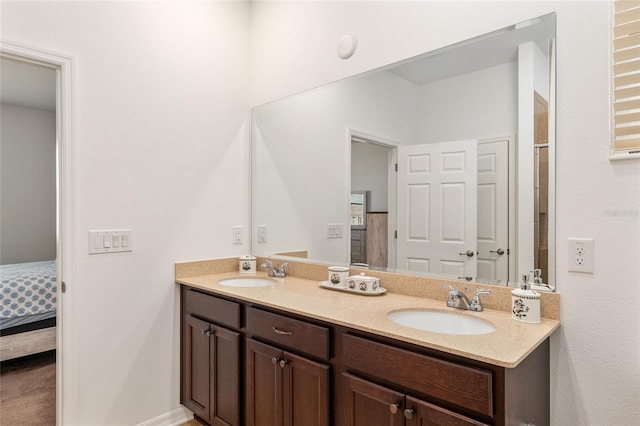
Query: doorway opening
x=36, y=183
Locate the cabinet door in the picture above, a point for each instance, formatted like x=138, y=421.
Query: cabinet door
x=306, y=392
x=371, y=404
x=264, y=385
x=422, y=413
x=225, y=380
x=197, y=366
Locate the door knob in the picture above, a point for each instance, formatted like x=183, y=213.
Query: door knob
x=408, y=413
x=469, y=253
x=499, y=252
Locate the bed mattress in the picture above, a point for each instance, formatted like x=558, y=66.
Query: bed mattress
x=27, y=293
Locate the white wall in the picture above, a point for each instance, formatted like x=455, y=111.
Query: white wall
x=595, y=377
x=312, y=131
x=370, y=172
x=161, y=147
x=28, y=185
x=477, y=105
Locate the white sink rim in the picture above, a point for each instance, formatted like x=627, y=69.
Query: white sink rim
x=246, y=282
x=442, y=322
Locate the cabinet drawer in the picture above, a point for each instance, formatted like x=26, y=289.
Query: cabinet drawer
x=467, y=387
x=213, y=308
x=292, y=333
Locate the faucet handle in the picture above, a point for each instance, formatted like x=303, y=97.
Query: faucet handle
x=284, y=265
x=475, y=304
x=453, y=293
x=449, y=286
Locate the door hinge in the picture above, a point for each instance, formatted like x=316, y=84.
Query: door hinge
x=395, y=234
x=396, y=167
x=63, y=287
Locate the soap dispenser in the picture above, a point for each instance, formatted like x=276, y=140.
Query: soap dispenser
x=525, y=303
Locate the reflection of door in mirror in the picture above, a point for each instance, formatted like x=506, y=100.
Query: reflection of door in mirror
x=541, y=192
x=370, y=171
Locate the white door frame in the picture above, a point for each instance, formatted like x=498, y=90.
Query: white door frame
x=392, y=145
x=63, y=65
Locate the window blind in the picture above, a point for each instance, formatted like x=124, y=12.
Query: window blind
x=626, y=75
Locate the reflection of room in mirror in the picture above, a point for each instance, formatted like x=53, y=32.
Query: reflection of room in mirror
x=434, y=98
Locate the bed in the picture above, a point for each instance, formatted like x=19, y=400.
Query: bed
x=28, y=299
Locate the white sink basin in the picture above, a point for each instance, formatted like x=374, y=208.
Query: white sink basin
x=246, y=282
x=441, y=322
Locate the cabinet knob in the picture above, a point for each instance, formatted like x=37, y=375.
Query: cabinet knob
x=283, y=363
x=408, y=413
x=394, y=408
x=274, y=360
x=206, y=333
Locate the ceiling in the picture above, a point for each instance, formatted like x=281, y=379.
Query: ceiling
x=482, y=52
x=27, y=85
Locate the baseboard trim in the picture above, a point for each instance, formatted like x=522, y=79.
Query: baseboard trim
x=172, y=418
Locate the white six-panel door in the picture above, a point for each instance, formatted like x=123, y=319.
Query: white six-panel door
x=493, y=209
x=437, y=206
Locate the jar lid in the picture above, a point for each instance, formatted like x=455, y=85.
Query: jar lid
x=526, y=294
x=362, y=276
x=338, y=268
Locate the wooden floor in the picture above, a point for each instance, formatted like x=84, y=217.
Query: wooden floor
x=28, y=390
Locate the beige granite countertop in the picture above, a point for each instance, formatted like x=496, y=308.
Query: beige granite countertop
x=507, y=346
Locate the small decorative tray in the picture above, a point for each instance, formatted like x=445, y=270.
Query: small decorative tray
x=379, y=291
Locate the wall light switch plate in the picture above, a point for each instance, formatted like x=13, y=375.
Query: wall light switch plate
x=110, y=241
x=335, y=230
x=581, y=255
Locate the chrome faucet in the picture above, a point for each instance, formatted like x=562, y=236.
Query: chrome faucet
x=537, y=276
x=273, y=271
x=459, y=300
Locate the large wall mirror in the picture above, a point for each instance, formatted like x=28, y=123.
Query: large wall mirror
x=454, y=149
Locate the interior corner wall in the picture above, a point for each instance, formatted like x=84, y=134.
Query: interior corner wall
x=27, y=185
x=160, y=146
x=595, y=367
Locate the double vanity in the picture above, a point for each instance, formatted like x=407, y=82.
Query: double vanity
x=263, y=351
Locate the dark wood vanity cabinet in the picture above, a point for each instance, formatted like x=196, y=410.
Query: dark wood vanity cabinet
x=372, y=404
x=245, y=364
x=284, y=388
x=211, y=359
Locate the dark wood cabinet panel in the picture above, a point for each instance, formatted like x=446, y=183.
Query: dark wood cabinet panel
x=306, y=392
x=211, y=372
x=225, y=380
x=467, y=387
x=212, y=308
x=284, y=389
x=195, y=379
x=289, y=332
x=422, y=413
x=371, y=404
x=264, y=393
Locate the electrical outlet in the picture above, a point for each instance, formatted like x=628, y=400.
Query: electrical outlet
x=581, y=255
x=238, y=235
x=262, y=234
